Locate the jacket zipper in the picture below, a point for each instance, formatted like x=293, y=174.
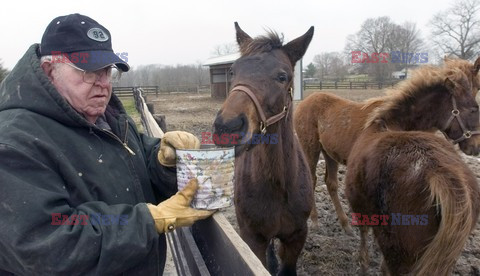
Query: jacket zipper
x=124, y=143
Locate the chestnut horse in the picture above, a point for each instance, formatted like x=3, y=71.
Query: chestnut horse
x=273, y=187
x=407, y=175
x=330, y=125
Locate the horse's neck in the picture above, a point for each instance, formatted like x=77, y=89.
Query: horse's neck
x=420, y=114
x=274, y=154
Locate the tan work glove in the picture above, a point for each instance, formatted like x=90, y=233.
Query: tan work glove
x=175, y=140
x=176, y=212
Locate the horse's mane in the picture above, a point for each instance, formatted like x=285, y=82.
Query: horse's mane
x=372, y=102
x=422, y=79
x=265, y=43
x=462, y=64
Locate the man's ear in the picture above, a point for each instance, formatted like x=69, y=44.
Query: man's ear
x=48, y=69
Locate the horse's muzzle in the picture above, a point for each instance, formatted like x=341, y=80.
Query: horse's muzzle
x=231, y=132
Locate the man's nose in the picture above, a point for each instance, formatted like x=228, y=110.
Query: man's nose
x=102, y=80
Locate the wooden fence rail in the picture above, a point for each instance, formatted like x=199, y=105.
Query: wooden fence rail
x=348, y=85
x=127, y=91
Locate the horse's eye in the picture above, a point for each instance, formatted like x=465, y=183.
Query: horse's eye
x=230, y=72
x=282, y=77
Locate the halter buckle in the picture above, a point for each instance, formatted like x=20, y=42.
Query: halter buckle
x=263, y=128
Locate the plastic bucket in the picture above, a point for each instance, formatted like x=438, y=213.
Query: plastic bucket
x=214, y=169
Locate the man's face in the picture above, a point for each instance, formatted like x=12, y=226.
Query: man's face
x=88, y=99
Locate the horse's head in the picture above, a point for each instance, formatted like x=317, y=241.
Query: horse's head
x=461, y=116
x=261, y=87
x=470, y=70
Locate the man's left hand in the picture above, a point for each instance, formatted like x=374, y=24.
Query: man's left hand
x=175, y=140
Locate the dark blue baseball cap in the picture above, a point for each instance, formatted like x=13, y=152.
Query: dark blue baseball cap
x=86, y=43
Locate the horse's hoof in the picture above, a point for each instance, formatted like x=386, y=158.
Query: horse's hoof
x=348, y=230
x=313, y=226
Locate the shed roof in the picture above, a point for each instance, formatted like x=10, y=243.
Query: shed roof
x=222, y=59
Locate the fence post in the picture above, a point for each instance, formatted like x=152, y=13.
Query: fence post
x=151, y=108
x=350, y=85
x=320, y=85
x=335, y=84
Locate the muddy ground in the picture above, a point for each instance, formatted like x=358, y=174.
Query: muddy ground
x=328, y=250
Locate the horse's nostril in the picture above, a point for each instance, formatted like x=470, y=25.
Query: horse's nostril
x=234, y=125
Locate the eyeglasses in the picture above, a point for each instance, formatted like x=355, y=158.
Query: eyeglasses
x=111, y=73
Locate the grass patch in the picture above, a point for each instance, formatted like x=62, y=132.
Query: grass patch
x=129, y=105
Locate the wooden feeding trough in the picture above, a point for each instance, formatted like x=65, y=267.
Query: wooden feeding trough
x=210, y=246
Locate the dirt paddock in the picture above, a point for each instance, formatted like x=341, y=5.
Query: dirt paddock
x=328, y=250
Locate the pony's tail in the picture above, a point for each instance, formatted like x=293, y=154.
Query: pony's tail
x=457, y=220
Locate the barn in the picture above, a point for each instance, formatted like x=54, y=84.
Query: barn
x=220, y=79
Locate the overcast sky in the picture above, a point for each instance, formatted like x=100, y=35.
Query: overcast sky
x=187, y=31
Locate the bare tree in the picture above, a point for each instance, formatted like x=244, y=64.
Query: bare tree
x=406, y=43
x=330, y=64
x=374, y=37
x=167, y=78
x=338, y=67
x=322, y=63
x=456, y=31
x=224, y=49
x=380, y=38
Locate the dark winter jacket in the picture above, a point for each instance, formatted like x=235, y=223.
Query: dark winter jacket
x=56, y=168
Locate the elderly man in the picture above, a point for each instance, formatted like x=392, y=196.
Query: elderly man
x=76, y=175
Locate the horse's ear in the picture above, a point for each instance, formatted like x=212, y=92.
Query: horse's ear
x=476, y=66
x=295, y=49
x=382, y=125
x=449, y=84
x=242, y=37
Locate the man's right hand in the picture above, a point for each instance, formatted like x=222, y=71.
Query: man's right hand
x=176, y=211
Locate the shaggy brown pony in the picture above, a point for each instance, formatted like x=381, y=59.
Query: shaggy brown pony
x=328, y=124
x=273, y=187
x=427, y=195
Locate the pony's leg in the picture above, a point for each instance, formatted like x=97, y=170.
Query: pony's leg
x=332, y=185
x=312, y=148
x=384, y=268
x=363, y=257
x=257, y=243
x=290, y=250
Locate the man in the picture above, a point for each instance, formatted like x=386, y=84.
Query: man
x=75, y=173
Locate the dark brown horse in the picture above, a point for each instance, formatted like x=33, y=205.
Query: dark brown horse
x=417, y=179
x=273, y=187
x=330, y=125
